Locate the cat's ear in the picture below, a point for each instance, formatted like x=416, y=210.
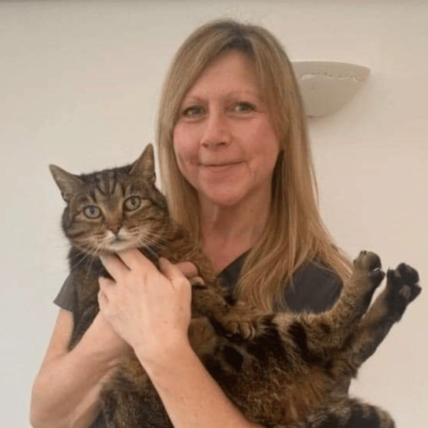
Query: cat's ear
x=144, y=166
x=68, y=183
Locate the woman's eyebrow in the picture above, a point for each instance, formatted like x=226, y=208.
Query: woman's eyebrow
x=192, y=99
x=227, y=94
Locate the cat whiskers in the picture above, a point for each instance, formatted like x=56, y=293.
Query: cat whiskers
x=150, y=239
x=91, y=245
x=81, y=259
x=97, y=247
x=90, y=250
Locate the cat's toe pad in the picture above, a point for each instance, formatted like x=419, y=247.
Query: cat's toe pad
x=240, y=329
x=404, y=282
x=370, y=263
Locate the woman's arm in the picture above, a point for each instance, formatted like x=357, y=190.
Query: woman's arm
x=65, y=391
x=190, y=395
x=151, y=311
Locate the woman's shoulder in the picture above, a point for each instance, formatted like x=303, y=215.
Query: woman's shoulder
x=314, y=288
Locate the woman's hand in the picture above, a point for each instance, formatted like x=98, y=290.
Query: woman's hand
x=112, y=345
x=147, y=308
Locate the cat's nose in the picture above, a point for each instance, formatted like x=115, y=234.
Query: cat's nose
x=115, y=228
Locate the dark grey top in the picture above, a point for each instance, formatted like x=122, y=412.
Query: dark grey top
x=314, y=289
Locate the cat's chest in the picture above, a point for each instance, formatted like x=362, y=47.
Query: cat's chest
x=86, y=270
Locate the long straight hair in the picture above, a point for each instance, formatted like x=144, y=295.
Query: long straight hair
x=295, y=232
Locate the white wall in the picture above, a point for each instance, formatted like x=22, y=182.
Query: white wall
x=79, y=85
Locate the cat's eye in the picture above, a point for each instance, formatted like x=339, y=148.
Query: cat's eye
x=92, y=211
x=132, y=203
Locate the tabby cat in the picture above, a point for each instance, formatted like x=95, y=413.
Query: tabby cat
x=279, y=369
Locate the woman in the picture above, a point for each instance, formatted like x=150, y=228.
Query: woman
x=237, y=170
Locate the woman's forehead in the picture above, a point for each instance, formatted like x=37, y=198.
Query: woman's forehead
x=231, y=72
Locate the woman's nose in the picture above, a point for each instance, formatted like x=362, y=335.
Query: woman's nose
x=216, y=131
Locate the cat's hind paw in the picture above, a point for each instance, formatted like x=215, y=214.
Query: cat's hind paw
x=370, y=264
x=402, y=288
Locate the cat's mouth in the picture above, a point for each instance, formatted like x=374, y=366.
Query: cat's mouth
x=117, y=243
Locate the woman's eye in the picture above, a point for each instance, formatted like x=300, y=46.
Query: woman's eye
x=244, y=107
x=132, y=203
x=193, y=111
x=92, y=211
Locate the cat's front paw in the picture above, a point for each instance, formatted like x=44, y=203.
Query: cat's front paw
x=402, y=288
x=240, y=323
x=370, y=264
x=238, y=329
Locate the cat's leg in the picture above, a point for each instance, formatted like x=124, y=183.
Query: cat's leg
x=349, y=413
x=243, y=322
x=402, y=287
x=130, y=410
x=125, y=406
x=343, y=413
x=318, y=334
x=232, y=319
x=400, y=290
x=357, y=293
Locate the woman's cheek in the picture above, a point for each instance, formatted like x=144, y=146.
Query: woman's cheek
x=187, y=167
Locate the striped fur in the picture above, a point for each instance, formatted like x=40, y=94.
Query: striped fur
x=281, y=370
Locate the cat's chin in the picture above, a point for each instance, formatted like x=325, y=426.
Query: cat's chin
x=119, y=245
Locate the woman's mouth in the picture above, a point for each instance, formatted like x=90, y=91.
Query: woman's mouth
x=220, y=167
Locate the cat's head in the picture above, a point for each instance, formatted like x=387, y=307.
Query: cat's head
x=114, y=209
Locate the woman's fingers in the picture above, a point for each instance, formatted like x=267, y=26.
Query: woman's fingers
x=188, y=269
x=106, y=285
x=172, y=272
x=114, y=265
x=136, y=260
x=146, y=303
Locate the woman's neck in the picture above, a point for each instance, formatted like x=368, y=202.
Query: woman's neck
x=228, y=232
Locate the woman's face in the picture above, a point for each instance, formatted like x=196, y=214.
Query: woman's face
x=224, y=140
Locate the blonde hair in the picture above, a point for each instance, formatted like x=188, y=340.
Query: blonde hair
x=295, y=232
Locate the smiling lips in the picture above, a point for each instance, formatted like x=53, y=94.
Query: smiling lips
x=220, y=169
x=220, y=166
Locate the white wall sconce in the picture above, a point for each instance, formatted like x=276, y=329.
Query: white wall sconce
x=326, y=86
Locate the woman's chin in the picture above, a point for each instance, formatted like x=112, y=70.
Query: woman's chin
x=224, y=197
